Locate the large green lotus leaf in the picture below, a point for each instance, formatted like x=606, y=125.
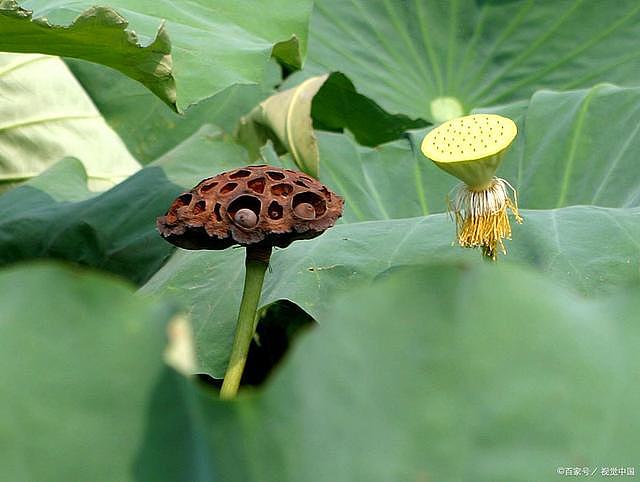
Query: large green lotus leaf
x=147, y=125
x=589, y=248
x=54, y=215
x=85, y=392
x=578, y=148
x=434, y=60
x=45, y=115
x=478, y=373
x=182, y=51
x=388, y=182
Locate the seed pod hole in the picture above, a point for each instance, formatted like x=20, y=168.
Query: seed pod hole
x=281, y=189
x=227, y=188
x=200, y=207
x=275, y=210
x=216, y=212
x=326, y=193
x=257, y=185
x=183, y=200
x=244, y=211
x=240, y=174
x=207, y=186
x=276, y=176
x=308, y=205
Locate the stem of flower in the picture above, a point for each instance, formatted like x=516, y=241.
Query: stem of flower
x=256, y=262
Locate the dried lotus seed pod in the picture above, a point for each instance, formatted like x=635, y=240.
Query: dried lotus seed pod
x=250, y=206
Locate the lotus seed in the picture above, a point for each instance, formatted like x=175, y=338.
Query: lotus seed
x=246, y=218
x=305, y=211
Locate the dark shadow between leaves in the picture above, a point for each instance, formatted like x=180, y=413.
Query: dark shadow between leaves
x=280, y=324
x=338, y=106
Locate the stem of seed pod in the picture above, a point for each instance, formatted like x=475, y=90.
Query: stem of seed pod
x=256, y=262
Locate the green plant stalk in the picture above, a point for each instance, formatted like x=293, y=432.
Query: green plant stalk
x=256, y=263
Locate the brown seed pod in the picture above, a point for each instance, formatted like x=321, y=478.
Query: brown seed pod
x=254, y=205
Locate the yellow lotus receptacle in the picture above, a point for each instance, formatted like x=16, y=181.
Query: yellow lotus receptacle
x=471, y=147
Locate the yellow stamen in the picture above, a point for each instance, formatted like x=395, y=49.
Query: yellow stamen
x=481, y=216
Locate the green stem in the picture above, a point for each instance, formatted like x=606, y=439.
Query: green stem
x=256, y=262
